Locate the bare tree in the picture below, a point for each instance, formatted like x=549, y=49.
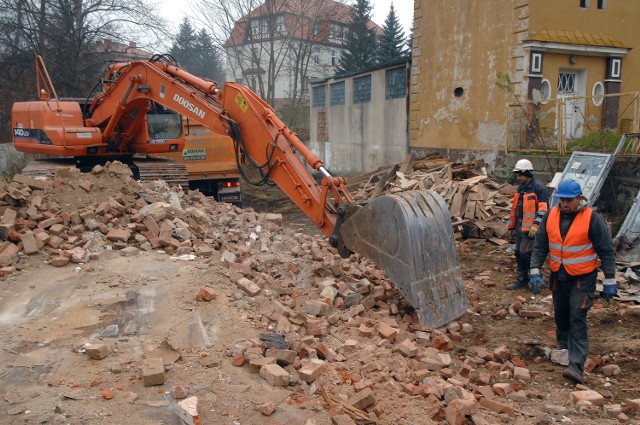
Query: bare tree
x=269, y=41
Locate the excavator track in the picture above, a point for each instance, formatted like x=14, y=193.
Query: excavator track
x=144, y=169
x=169, y=170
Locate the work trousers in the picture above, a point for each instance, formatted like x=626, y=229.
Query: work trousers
x=523, y=248
x=570, y=306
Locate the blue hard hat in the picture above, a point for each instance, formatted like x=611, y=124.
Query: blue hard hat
x=568, y=189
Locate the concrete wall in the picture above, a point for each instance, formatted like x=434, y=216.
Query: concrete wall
x=12, y=161
x=358, y=137
x=459, y=46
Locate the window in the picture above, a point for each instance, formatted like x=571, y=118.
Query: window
x=334, y=57
x=337, y=34
x=584, y=4
x=319, y=96
x=602, y=4
x=536, y=62
x=315, y=55
x=362, y=89
x=281, y=28
x=545, y=91
x=566, y=83
x=598, y=93
x=337, y=93
x=615, y=68
x=396, y=86
x=315, y=29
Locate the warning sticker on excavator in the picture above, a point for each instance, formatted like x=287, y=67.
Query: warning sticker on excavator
x=242, y=102
x=197, y=154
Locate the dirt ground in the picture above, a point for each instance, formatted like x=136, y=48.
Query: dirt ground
x=133, y=304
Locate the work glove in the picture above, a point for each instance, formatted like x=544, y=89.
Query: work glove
x=535, y=281
x=610, y=289
x=533, y=231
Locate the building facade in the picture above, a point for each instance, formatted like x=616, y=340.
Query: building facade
x=281, y=45
x=548, y=49
x=359, y=120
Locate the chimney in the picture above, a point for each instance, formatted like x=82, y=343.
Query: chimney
x=132, y=44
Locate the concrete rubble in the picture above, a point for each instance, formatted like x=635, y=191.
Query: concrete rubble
x=326, y=326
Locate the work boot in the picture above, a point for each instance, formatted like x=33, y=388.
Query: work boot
x=573, y=375
x=518, y=285
x=521, y=282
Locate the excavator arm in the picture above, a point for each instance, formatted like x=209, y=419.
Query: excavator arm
x=235, y=111
x=409, y=235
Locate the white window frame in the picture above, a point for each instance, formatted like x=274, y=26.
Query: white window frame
x=545, y=99
x=616, y=64
x=536, y=62
x=596, y=93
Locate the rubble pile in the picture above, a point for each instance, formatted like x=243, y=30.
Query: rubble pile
x=478, y=205
x=74, y=217
x=332, y=328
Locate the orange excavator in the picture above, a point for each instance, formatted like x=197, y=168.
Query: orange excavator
x=145, y=107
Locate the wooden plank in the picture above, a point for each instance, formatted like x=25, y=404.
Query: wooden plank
x=498, y=241
x=383, y=181
x=456, y=205
x=470, y=210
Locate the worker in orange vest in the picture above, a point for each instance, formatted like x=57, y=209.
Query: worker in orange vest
x=574, y=236
x=529, y=206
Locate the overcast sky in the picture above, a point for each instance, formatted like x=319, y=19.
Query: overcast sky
x=174, y=11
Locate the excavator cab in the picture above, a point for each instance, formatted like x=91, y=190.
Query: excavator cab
x=163, y=126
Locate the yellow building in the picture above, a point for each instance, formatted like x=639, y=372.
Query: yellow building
x=550, y=49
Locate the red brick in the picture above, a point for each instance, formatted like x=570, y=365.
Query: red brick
x=208, y=294
x=313, y=369
x=458, y=409
x=496, y=407
x=317, y=308
x=521, y=374
x=588, y=395
x=179, y=392
x=387, y=332
x=96, y=351
x=502, y=389
x=406, y=348
x=275, y=375
x=153, y=371
x=442, y=342
x=119, y=235
x=362, y=399
x=268, y=408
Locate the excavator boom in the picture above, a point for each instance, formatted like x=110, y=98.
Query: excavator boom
x=409, y=235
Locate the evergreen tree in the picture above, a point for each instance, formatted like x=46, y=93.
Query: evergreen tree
x=360, y=43
x=209, y=63
x=197, y=53
x=392, y=43
x=183, y=49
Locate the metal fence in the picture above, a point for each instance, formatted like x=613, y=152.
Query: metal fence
x=567, y=124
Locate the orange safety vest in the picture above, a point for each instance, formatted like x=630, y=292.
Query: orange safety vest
x=530, y=207
x=576, y=251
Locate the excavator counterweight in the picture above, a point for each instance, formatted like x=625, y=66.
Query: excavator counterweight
x=144, y=107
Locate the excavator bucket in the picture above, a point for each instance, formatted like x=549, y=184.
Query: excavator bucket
x=410, y=236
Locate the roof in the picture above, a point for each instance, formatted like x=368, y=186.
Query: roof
x=395, y=63
x=577, y=38
x=322, y=11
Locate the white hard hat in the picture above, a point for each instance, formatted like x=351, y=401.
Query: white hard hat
x=523, y=165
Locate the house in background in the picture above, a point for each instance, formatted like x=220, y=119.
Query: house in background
x=287, y=43
x=359, y=120
x=563, y=57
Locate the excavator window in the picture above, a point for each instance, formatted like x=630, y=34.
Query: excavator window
x=165, y=125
